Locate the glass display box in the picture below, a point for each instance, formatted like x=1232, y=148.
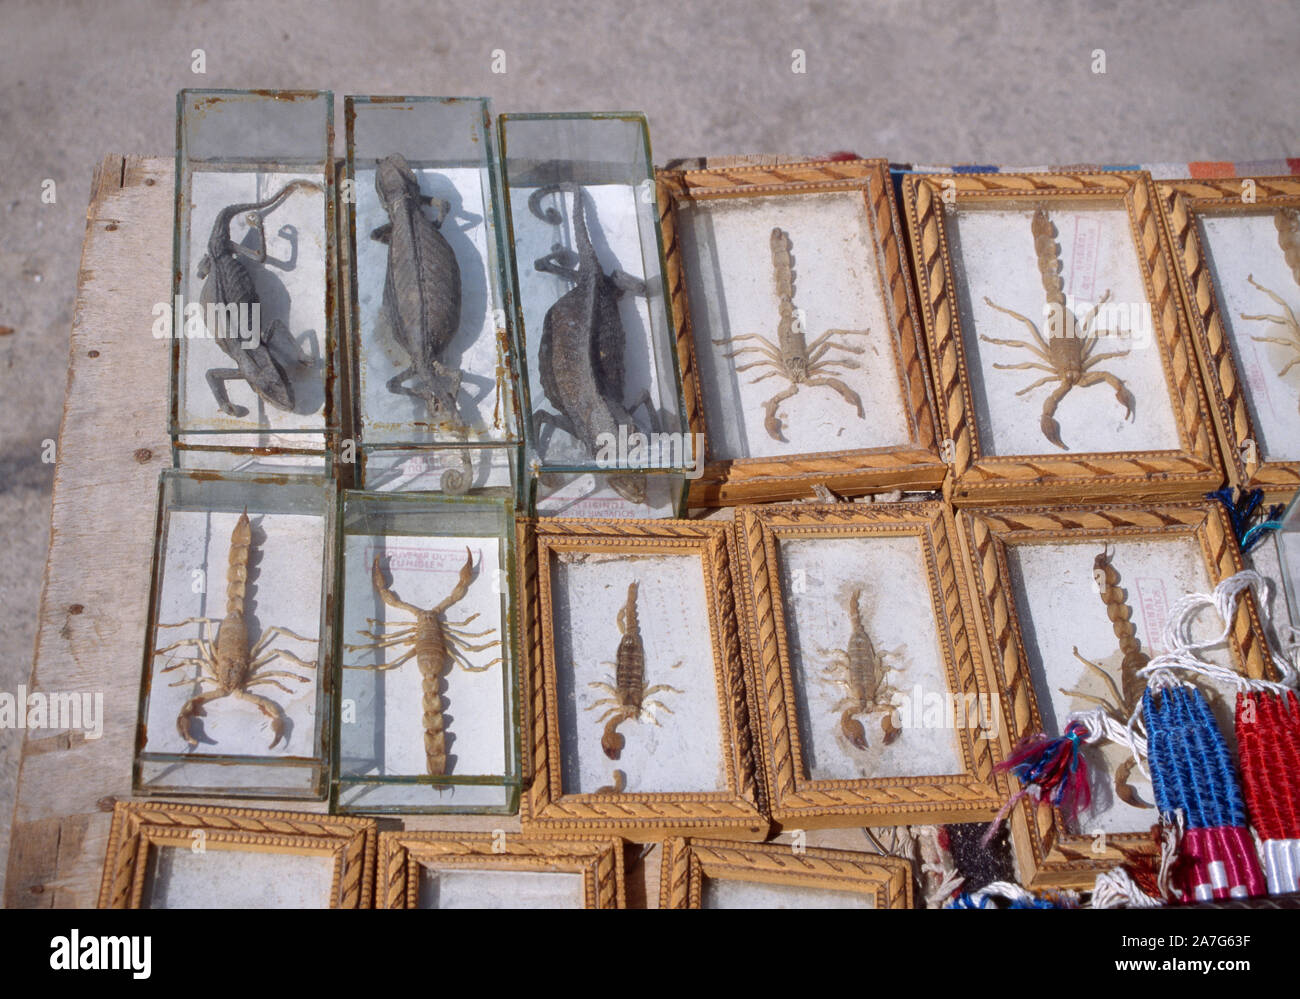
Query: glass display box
x=251, y=326
x=430, y=358
x=605, y=430
x=236, y=681
x=427, y=716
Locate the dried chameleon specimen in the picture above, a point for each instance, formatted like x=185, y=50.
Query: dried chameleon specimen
x=861, y=670
x=1287, y=222
x=228, y=285
x=436, y=645
x=580, y=357
x=629, y=697
x=1067, y=355
x=229, y=664
x=1124, y=698
x=792, y=357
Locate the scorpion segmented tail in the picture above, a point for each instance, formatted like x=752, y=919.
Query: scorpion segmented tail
x=1120, y=614
x=630, y=660
x=1288, y=238
x=783, y=272
x=431, y=662
x=1049, y=258
x=241, y=541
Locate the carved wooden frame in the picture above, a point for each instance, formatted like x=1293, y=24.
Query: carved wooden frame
x=1047, y=855
x=1180, y=202
x=545, y=809
x=687, y=862
x=140, y=826
x=978, y=792
x=917, y=466
x=402, y=855
x=1124, y=476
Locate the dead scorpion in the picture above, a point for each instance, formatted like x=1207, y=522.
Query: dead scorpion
x=863, y=673
x=1127, y=695
x=229, y=285
x=628, y=693
x=580, y=357
x=1067, y=355
x=792, y=357
x=230, y=665
x=437, y=646
x=1288, y=238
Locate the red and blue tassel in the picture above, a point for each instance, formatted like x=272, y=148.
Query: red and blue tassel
x=1268, y=743
x=1192, y=773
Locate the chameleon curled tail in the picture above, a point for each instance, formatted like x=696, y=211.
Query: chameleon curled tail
x=241, y=541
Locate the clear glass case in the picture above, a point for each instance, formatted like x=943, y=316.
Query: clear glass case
x=430, y=350
x=252, y=312
x=605, y=426
x=1288, y=555
x=427, y=718
x=236, y=676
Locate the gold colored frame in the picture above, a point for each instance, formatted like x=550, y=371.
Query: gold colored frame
x=1047, y=855
x=1181, y=202
x=687, y=862
x=917, y=466
x=975, y=794
x=402, y=855
x=546, y=809
x=980, y=479
x=140, y=826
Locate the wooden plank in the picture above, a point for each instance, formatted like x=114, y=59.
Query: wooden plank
x=112, y=443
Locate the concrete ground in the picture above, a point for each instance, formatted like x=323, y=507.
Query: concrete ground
x=962, y=82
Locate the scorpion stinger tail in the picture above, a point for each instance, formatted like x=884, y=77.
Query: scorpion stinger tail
x=611, y=740
x=241, y=542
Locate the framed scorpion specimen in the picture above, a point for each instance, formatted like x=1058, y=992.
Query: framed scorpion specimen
x=1072, y=603
x=718, y=874
x=1239, y=266
x=794, y=317
x=637, y=682
x=250, y=319
x=605, y=426
x=432, y=369
x=426, y=680
x=451, y=870
x=238, y=654
x=1063, y=362
x=877, y=708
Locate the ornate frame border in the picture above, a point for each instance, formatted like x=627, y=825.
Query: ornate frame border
x=139, y=826
x=1048, y=856
x=741, y=480
x=978, y=792
x=738, y=811
x=1180, y=202
x=687, y=862
x=1121, y=475
x=403, y=854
